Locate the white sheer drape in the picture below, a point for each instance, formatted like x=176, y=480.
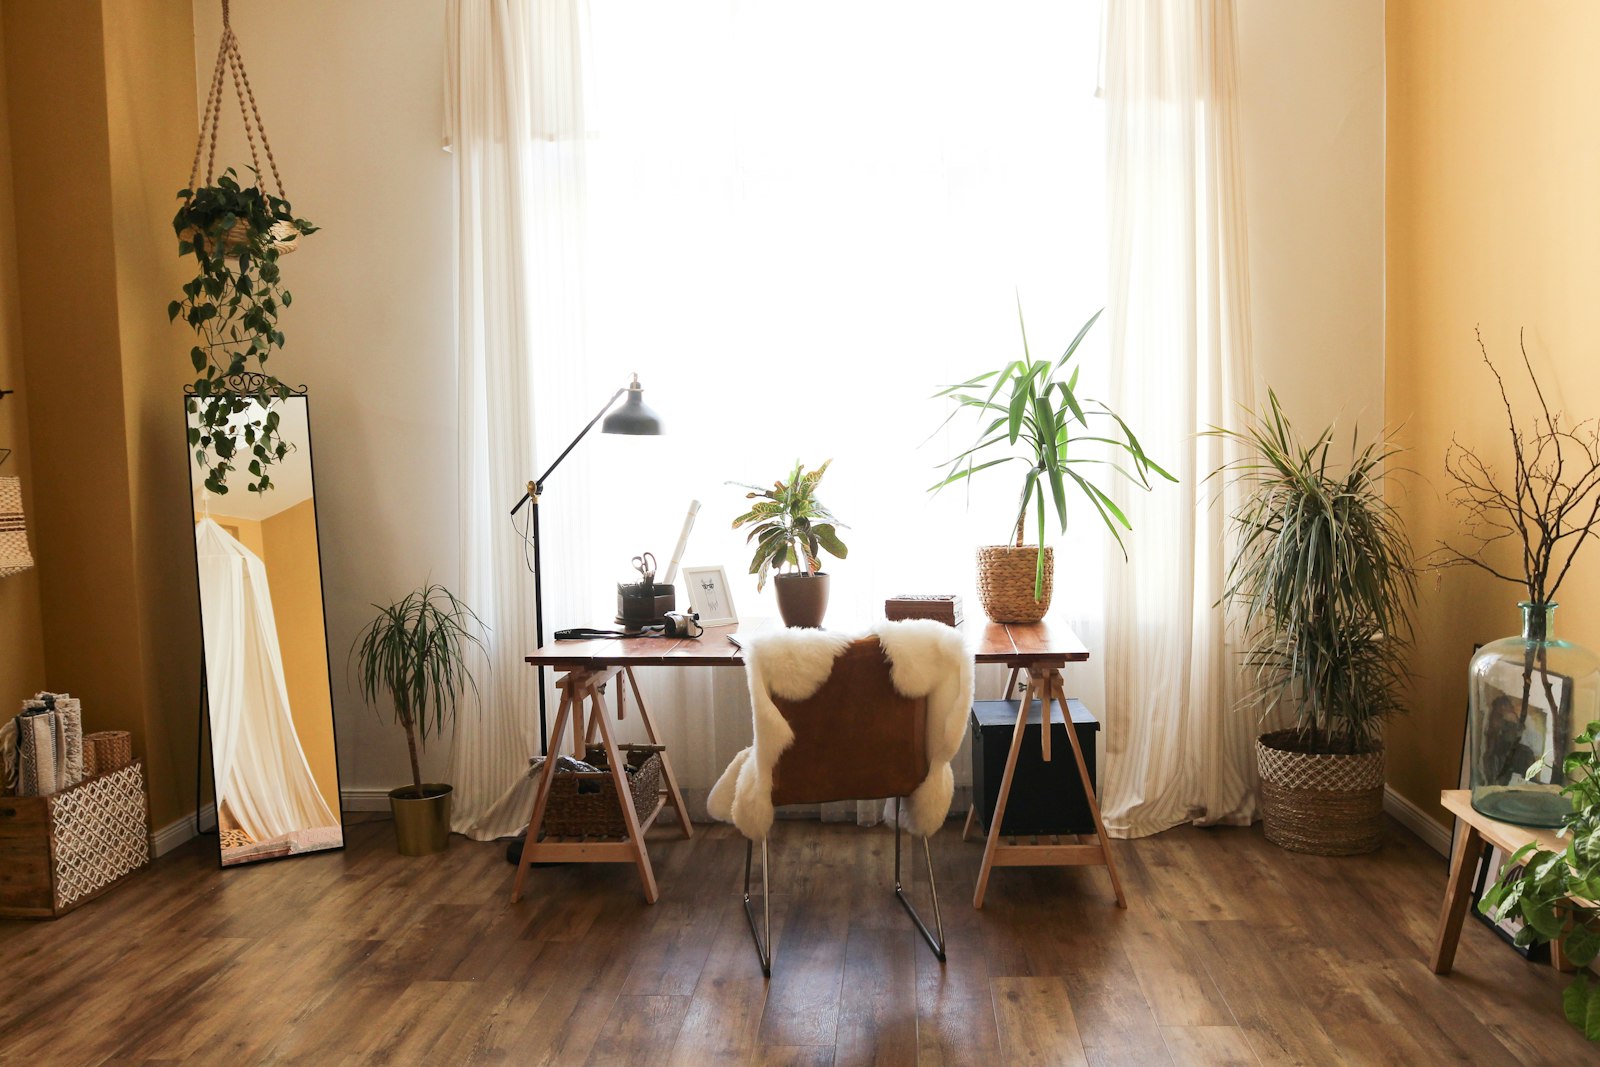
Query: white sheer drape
x=796, y=225
x=1178, y=751
x=263, y=779
x=518, y=131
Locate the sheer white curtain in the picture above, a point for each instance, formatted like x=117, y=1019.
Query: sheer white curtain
x=795, y=224
x=1178, y=751
x=518, y=131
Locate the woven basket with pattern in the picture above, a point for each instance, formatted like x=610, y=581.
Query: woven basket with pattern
x=1328, y=805
x=113, y=750
x=1006, y=579
x=585, y=805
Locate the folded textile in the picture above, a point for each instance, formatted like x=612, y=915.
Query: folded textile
x=49, y=744
x=14, y=555
x=8, y=758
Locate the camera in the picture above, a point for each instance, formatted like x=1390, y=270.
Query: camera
x=682, y=624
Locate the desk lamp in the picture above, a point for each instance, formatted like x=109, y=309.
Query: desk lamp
x=632, y=419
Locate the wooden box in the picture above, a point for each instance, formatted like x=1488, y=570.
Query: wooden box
x=941, y=607
x=1046, y=798
x=60, y=851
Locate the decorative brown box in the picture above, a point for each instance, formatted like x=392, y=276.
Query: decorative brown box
x=63, y=850
x=941, y=607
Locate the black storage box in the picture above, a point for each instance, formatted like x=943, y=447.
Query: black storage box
x=1046, y=798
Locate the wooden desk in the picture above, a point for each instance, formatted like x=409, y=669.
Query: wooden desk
x=587, y=667
x=1478, y=828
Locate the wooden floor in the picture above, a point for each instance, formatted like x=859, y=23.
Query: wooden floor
x=1231, y=951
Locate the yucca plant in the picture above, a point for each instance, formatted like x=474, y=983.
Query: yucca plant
x=416, y=651
x=789, y=525
x=1030, y=410
x=1324, y=577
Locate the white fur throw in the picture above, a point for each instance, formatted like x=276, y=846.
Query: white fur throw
x=926, y=659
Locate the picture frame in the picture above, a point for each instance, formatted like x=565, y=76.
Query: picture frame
x=710, y=596
x=1544, y=729
x=1492, y=858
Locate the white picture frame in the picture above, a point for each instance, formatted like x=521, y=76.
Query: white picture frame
x=710, y=596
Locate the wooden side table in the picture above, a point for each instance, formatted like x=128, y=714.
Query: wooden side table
x=1473, y=829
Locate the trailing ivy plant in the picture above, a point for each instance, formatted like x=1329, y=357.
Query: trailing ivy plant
x=1543, y=888
x=234, y=232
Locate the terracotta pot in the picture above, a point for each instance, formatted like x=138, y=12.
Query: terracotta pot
x=1006, y=576
x=802, y=598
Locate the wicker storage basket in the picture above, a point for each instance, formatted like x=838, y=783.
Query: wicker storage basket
x=1328, y=805
x=1005, y=582
x=585, y=805
x=113, y=750
x=60, y=851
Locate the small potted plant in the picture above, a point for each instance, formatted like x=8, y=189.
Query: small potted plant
x=235, y=233
x=792, y=528
x=1031, y=414
x=415, y=651
x=1554, y=894
x=1324, y=578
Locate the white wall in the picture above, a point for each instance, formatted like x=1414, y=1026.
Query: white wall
x=352, y=97
x=1311, y=84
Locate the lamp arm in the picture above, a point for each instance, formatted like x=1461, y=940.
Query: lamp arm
x=537, y=486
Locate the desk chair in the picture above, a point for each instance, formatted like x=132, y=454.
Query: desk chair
x=855, y=738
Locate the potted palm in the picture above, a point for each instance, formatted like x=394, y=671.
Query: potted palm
x=1324, y=579
x=791, y=528
x=1030, y=413
x=415, y=651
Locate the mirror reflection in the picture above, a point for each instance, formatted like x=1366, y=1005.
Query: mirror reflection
x=269, y=698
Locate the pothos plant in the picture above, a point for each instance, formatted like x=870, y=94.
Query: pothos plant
x=789, y=525
x=234, y=232
x=1544, y=888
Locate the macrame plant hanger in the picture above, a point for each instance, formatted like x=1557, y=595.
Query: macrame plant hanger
x=231, y=62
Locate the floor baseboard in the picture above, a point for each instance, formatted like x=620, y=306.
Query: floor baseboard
x=1435, y=835
x=364, y=799
x=179, y=831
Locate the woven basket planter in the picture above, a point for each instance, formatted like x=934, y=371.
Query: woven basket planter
x=1005, y=582
x=283, y=236
x=1327, y=805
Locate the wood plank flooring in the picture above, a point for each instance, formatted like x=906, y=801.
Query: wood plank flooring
x=1231, y=952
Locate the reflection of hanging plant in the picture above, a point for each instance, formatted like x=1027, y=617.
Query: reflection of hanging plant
x=234, y=233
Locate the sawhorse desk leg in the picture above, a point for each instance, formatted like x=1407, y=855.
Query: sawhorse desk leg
x=1044, y=685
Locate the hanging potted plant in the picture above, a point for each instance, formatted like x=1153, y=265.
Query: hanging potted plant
x=1031, y=414
x=1324, y=580
x=415, y=652
x=1529, y=694
x=792, y=528
x=235, y=234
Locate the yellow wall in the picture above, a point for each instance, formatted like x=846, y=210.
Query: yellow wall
x=290, y=539
x=21, y=643
x=101, y=115
x=1493, y=219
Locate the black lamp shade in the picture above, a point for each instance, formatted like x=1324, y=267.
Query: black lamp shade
x=633, y=417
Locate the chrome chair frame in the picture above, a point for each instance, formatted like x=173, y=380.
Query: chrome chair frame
x=763, y=936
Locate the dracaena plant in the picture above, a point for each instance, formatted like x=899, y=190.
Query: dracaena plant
x=1030, y=412
x=1324, y=577
x=415, y=651
x=789, y=526
x=234, y=233
x=1545, y=889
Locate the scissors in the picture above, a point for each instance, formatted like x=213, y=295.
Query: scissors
x=645, y=564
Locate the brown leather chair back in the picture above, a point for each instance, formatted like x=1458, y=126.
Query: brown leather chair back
x=855, y=738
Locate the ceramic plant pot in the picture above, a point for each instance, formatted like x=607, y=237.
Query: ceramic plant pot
x=802, y=598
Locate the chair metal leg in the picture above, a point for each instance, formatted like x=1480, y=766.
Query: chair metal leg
x=763, y=937
x=937, y=944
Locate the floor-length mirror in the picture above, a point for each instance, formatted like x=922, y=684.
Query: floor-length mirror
x=268, y=690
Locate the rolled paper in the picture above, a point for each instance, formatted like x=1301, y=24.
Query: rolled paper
x=683, y=541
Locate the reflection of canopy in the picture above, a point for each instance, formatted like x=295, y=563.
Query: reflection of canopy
x=261, y=770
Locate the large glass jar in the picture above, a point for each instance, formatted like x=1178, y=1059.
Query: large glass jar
x=1530, y=696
